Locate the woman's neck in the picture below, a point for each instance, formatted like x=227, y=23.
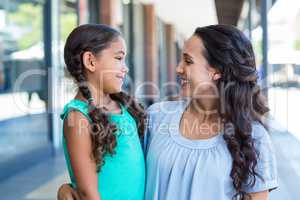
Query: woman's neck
x=205, y=109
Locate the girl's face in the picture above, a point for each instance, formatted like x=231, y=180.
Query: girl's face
x=109, y=67
x=197, y=77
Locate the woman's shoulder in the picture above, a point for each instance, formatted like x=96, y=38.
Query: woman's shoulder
x=166, y=107
x=261, y=135
x=259, y=130
x=162, y=113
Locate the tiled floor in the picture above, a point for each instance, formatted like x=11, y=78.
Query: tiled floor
x=37, y=183
x=48, y=190
x=22, y=134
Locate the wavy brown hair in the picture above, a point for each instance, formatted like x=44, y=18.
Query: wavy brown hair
x=95, y=38
x=229, y=51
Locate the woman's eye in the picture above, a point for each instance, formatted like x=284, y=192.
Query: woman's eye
x=119, y=58
x=188, y=62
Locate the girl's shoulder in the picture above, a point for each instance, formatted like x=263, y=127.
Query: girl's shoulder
x=75, y=105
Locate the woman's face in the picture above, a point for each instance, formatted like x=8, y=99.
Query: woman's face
x=110, y=67
x=197, y=77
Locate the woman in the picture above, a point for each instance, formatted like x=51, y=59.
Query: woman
x=214, y=145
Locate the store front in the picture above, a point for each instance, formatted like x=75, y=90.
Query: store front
x=28, y=31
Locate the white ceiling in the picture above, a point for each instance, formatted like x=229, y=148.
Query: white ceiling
x=186, y=15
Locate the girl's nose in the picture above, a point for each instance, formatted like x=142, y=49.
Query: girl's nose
x=125, y=69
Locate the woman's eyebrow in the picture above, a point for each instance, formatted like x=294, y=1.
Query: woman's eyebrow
x=186, y=55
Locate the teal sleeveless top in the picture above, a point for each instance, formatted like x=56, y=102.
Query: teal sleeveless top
x=122, y=177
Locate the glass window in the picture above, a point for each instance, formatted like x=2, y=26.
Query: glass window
x=72, y=13
x=21, y=50
x=23, y=89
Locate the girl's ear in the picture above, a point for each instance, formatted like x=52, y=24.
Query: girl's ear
x=89, y=60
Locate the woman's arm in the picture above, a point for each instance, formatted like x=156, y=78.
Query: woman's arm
x=66, y=192
x=264, y=195
x=79, y=144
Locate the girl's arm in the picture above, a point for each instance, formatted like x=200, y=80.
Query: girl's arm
x=79, y=144
x=264, y=195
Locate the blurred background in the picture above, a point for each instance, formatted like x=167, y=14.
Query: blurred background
x=34, y=86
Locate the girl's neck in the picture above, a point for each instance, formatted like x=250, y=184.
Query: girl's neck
x=100, y=100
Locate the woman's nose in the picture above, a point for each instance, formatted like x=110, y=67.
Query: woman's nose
x=179, y=69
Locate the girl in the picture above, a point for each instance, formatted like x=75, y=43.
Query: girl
x=101, y=124
x=213, y=146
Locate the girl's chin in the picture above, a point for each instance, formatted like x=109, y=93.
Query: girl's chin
x=114, y=90
x=117, y=90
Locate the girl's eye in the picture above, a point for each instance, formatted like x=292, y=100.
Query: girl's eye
x=119, y=58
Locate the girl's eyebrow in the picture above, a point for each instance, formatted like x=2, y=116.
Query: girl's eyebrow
x=120, y=52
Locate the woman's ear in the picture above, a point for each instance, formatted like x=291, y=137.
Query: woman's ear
x=216, y=76
x=89, y=60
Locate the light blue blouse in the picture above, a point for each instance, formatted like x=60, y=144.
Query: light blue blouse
x=183, y=169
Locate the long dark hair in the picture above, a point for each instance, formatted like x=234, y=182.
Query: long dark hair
x=95, y=38
x=229, y=51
